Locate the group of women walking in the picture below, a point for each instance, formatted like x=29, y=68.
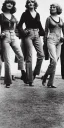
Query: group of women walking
x=10, y=29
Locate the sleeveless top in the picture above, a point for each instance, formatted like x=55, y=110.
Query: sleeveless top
x=7, y=24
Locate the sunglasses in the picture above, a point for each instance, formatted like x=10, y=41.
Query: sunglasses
x=52, y=6
x=9, y=2
x=30, y=2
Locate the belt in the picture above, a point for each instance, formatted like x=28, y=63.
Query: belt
x=33, y=29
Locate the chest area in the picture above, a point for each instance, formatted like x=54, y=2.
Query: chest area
x=54, y=24
x=31, y=18
x=7, y=22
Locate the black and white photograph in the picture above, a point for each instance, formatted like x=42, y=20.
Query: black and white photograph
x=32, y=64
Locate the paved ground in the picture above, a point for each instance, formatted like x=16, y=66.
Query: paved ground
x=22, y=106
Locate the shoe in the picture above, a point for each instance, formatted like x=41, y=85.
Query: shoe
x=7, y=85
x=13, y=77
x=51, y=86
x=34, y=75
x=30, y=84
x=43, y=80
x=43, y=83
x=62, y=77
x=42, y=77
x=23, y=77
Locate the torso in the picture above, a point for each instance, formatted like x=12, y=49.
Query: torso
x=8, y=16
x=55, y=25
x=55, y=18
x=33, y=14
x=31, y=20
x=7, y=22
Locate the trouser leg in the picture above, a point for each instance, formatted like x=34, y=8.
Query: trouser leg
x=16, y=48
x=40, y=55
x=53, y=60
x=29, y=74
x=6, y=54
x=54, y=51
x=51, y=72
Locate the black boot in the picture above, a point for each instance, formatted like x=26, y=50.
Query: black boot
x=7, y=85
x=13, y=77
x=30, y=84
x=51, y=86
x=23, y=77
x=34, y=75
x=44, y=78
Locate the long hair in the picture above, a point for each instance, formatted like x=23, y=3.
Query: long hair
x=59, y=9
x=4, y=8
x=35, y=4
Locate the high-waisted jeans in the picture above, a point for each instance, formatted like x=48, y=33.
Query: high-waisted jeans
x=54, y=48
x=33, y=39
x=10, y=41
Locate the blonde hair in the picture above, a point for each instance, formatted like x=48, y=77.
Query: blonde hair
x=59, y=9
x=35, y=4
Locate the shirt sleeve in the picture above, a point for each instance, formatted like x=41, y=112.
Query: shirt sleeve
x=22, y=20
x=20, y=25
x=41, y=30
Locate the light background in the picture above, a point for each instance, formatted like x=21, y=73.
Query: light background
x=43, y=9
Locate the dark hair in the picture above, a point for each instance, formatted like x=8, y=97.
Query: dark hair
x=4, y=8
x=59, y=9
x=35, y=4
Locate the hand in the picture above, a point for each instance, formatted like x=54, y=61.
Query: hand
x=26, y=32
x=2, y=35
x=62, y=39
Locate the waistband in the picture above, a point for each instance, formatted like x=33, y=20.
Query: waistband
x=33, y=29
x=10, y=30
x=54, y=34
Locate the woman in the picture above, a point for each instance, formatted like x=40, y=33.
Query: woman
x=31, y=36
x=53, y=28
x=7, y=31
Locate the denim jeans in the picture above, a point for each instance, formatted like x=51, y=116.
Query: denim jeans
x=10, y=41
x=33, y=39
x=54, y=48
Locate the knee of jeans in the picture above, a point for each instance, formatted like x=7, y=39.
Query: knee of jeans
x=20, y=58
x=40, y=56
x=54, y=61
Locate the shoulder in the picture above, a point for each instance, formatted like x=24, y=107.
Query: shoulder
x=61, y=19
x=48, y=19
x=37, y=14
x=1, y=17
x=25, y=12
x=1, y=14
